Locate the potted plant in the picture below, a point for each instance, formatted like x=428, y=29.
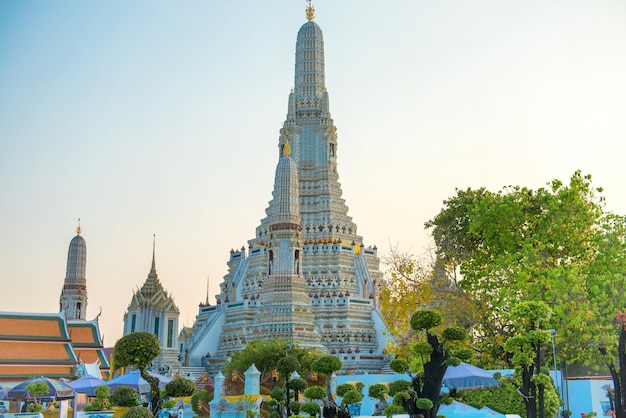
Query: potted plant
x=100, y=406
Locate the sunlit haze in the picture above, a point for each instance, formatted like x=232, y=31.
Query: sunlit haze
x=162, y=117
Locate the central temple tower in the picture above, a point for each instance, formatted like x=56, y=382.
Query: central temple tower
x=306, y=276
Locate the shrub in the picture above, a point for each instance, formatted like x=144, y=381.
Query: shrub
x=393, y=410
x=315, y=392
x=424, y=403
x=181, y=386
x=274, y=414
x=137, y=412
x=359, y=386
x=351, y=397
x=398, y=386
x=278, y=393
x=311, y=408
x=377, y=390
x=102, y=402
x=298, y=384
x=170, y=403
x=201, y=395
x=124, y=396
x=294, y=407
x=345, y=387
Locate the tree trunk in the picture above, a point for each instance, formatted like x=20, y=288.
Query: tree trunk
x=620, y=387
x=434, y=371
x=529, y=392
x=617, y=399
x=155, y=393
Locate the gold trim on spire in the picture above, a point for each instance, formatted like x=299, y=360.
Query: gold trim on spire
x=287, y=149
x=310, y=11
x=78, y=230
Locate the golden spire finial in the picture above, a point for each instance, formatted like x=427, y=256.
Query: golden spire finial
x=78, y=227
x=286, y=149
x=310, y=11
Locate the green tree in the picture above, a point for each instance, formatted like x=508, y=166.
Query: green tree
x=298, y=385
x=527, y=347
x=377, y=391
x=37, y=390
x=124, y=396
x=137, y=412
x=552, y=244
x=102, y=401
x=327, y=365
x=286, y=366
x=200, y=401
x=431, y=357
x=180, y=386
x=138, y=349
x=311, y=408
x=351, y=397
x=265, y=354
x=421, y=281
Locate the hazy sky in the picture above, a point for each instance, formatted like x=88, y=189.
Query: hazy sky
x=162, y=117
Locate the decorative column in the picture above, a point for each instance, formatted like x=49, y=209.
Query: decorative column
x=252, y=385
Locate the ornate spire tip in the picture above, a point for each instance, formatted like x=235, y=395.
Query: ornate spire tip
x=78, y=230
x=310, y=11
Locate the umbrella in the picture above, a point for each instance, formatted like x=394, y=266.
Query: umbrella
x=56, y=389
x=466, y=376
x=87, y=384
x=163, y=380
x=133, y=380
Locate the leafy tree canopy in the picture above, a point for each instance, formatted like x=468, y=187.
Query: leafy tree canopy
x=180, y=386
x=555, y=244
x=265, y=355
x=136, y=349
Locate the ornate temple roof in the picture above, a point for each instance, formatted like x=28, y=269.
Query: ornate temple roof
x=35, y=344
x=88, y=344
x=152, y=292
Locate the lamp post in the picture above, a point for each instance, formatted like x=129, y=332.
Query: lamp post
x=553, y=334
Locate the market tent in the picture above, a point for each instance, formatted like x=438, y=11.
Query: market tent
x=56, y=389
x=163, y=380
x=132, y=379
x=465, y=376
x=87, y=384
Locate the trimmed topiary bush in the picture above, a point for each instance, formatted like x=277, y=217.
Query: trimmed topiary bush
x=137, y=412
x=345, y=387
x=180, y=386
x=315, y=392
x=202, y=395
x=351, y=397
x=424, y=403
x=294, y=407
x=393, y=410
x=398, y=386
x=102, y=401
x=124, y=396
x=311, y=408
x=377, y=390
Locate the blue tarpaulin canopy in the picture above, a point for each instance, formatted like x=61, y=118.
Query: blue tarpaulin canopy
x=87, y=384
x=56, y=389
x=465, y=376
x=132, y=379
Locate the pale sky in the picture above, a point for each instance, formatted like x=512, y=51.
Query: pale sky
x=157, y=117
